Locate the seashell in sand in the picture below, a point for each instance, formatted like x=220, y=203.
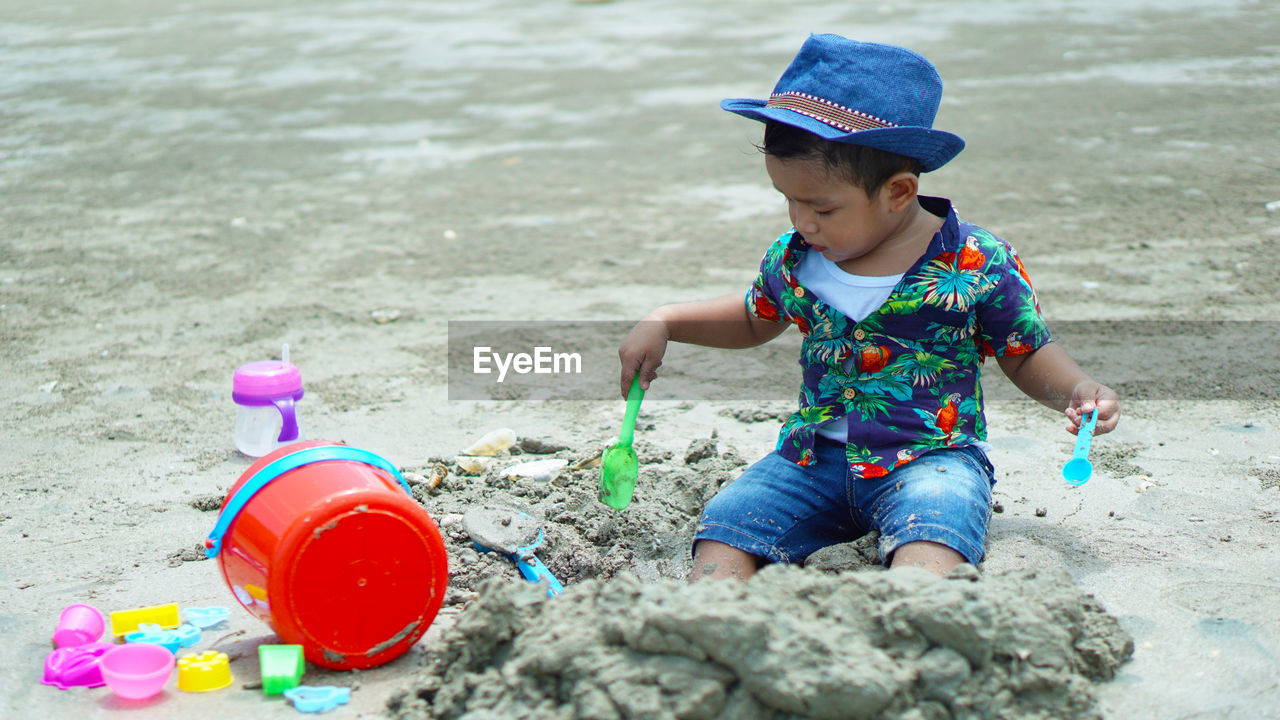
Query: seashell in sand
x=437, y=475
x=469, y=465
x=492, y=443
x=539, y=470
x=588, y=462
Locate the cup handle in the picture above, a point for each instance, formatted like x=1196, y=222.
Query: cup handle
x=289, y=418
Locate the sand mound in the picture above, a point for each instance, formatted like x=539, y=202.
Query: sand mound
x=628, y=639
x=790, y=643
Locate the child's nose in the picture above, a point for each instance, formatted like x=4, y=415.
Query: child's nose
x=806, y=222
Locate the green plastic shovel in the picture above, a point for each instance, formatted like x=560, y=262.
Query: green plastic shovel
x=619, y=466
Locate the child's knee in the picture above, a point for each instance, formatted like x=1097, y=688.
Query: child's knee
x=934, y=557
x=713, y=560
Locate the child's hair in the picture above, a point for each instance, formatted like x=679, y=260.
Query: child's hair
x=866, y=167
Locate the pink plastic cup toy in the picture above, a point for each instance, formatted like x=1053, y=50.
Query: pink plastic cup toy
x=137, y=671
x=78, y=625
x=75, y=666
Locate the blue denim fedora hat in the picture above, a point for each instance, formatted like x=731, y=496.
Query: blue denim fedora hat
x=879, y=96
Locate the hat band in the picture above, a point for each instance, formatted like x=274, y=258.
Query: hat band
x=823, y=110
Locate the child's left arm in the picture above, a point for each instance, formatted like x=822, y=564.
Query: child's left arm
x=1050, y=376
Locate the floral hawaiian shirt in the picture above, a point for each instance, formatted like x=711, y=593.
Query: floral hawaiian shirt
x=907, y=375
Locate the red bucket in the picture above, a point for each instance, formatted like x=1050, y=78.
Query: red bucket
x=324, y=543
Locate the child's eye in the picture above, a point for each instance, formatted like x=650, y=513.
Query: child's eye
x=823, y=213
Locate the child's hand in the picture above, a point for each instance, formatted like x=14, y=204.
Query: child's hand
x=641, y=351
x=1086, y=396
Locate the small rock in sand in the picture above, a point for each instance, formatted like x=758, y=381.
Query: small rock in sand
x=191, y=553
x=755, y=415
x=207, y=503
x=700, y=449
x=385, y=315
x=534, y=446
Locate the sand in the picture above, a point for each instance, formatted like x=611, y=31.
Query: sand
x=789, y=643
x=185, y=188
x=841, y=638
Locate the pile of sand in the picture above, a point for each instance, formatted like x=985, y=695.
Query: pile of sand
x=790, y=643
x=628, y=639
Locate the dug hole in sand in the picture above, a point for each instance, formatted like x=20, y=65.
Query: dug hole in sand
x=832, y=640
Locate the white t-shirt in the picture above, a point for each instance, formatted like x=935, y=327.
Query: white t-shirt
x=857, y=296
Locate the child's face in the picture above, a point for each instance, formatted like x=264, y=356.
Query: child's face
x=836, y=217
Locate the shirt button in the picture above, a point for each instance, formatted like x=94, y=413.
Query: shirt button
x=799, y=291
x=850, y=393
x=859, y=334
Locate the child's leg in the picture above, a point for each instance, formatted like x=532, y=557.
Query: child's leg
x=714, y=560
x=776, y=511
x=937, y=559
x=932, y=513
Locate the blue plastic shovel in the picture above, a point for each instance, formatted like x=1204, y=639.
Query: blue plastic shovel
x=514, y=534
x=1078, y=469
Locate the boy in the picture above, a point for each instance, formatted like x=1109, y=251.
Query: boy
x=898, y=301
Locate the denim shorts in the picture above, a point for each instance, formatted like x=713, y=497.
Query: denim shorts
x=782, y=512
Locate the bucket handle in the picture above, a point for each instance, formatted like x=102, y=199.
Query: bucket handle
x=282, y=465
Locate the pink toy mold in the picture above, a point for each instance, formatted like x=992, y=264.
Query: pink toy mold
x=76, y=666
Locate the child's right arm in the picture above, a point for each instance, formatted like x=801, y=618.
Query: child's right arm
x=722, y=322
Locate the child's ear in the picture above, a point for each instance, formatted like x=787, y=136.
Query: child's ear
x=901, y=190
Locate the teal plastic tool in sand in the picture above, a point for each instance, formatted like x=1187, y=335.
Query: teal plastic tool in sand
x=1078, y=469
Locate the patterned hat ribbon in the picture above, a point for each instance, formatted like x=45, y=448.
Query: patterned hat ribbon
x=823, y=110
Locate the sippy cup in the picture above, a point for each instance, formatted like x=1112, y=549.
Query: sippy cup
x=266, y=392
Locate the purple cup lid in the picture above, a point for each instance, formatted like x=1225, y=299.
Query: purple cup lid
x=265, y=380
